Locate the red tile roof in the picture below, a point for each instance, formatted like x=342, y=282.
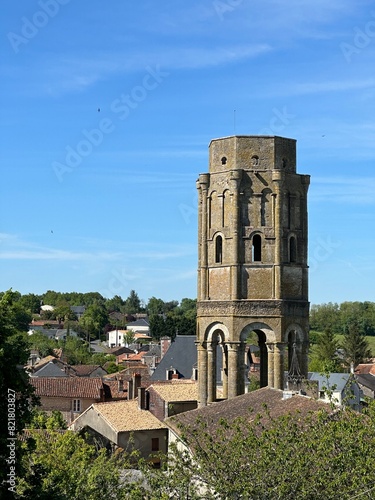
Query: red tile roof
x=68, y=387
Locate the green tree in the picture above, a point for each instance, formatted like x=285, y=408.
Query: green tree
x=322, y=455
x=325, y=353
x=65, y=467
x=133, y=303
x=94, y=320
x=325, y=316
x=31, y=303
x=155, y=307
x=355, y=345
x=16, y=391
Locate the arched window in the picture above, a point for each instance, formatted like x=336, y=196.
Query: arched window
x=219, y=250
x=257, y=248
x=292, y=249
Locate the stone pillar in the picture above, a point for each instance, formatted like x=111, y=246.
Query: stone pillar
x=235, y=179
x=202, y=374
x=203, y=216
x=233, y=364
x=211, y=372
x=278, y=365
x=277, y=179
x=271, y=365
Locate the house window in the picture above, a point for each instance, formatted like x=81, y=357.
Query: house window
x=76, y=405
x=155, y=444
x=219, y=250
x=257, y=248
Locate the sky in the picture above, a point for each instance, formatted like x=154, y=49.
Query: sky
x=107, y=111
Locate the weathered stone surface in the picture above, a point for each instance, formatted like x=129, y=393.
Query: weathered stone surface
x=252, y=241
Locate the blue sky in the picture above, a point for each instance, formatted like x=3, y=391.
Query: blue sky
x=107, y=112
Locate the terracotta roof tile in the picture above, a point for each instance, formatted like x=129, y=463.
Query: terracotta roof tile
x=124, y=416
x=68, y=387
x=176, y=390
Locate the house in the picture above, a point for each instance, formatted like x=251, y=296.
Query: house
x=337, y=388
x=180, y=360
x=124, y=424
x=366, y=382
x=78, y=310
x=116, y=338
x=50, y=366
x=69, y=395
x=89, y=370
x=141, y=325
x=171, y=397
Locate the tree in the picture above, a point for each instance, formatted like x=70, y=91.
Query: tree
x=133, y=303
x=31, y=303
x=325, y=357
x=354, y=345
x=16, y=391
x=320, y=455
x=94, y=320
x=155, y=307
x=64, y=466
x=325, y=316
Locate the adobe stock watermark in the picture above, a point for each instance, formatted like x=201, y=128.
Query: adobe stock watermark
x=279, y=120
x=117, y=283
x=188, y=211
x=121, y=107
x=222, y=7
x=361, y=39
x=31, y=26
x=323, y=250
x=11, y=445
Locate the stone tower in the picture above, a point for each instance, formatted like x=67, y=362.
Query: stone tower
x=252, y=262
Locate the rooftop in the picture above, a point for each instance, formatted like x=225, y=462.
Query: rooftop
x=125, y=416
x=176, y=390
x=68, y=387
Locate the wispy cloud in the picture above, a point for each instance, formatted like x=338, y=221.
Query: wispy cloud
x=353, y=190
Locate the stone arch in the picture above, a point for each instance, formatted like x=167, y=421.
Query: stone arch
x=266, y=336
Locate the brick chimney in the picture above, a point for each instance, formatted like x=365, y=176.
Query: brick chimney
x=136, y=384
x=142, y=398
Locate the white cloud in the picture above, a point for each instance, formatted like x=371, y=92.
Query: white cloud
x=355, y=190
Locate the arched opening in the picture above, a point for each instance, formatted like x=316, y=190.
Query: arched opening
x=292, y=249
x=257, y=248
x=218, y=249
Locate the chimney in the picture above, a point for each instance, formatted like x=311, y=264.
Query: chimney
x=142, y=398
x=130, y=388
x=165, y=343
x=136, y=383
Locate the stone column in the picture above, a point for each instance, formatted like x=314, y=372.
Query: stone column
x=233, y=363
x=271, y=365
x=277, y=178
x=202, y=374
x=279, y=365
x=235, y=179
x=203, y=215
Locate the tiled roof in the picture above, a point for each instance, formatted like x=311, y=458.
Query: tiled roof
x=85, y=370
x=176, y=390
x=72, y=387
x=247, y=406
x=124, y=416
x=366, y=380
x=364, y=368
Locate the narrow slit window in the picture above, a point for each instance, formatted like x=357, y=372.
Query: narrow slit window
x=257, y=248
x=219, y=250
x=292, y=249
